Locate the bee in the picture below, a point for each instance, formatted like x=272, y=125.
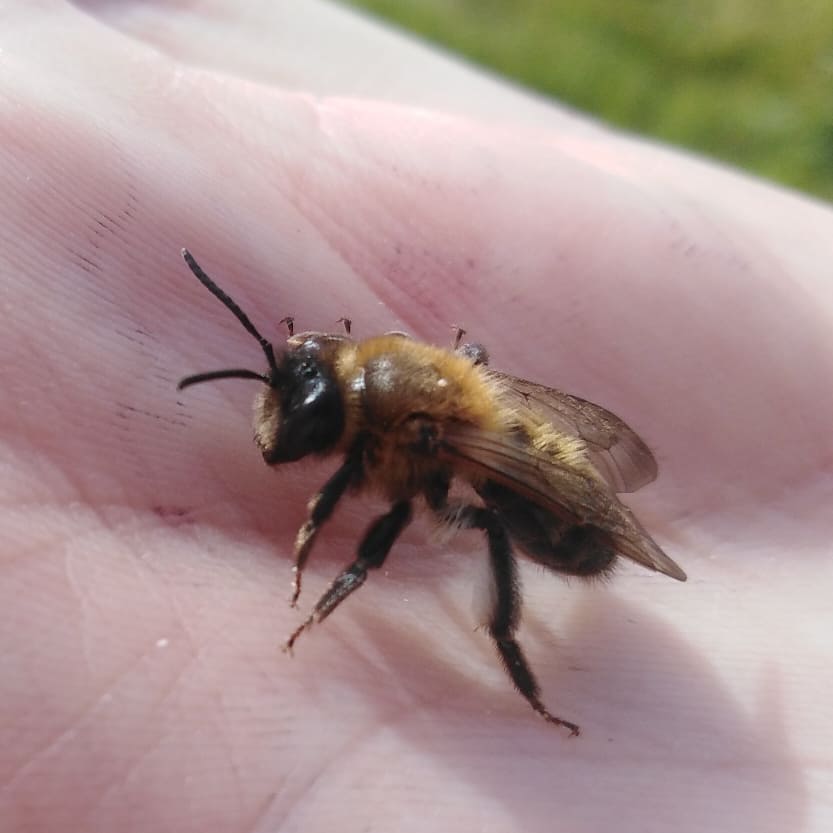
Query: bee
x=409, y=420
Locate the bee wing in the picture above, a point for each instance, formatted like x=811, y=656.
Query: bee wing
x=617, y=452
x=564, y=490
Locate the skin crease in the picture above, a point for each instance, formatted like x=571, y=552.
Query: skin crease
x=144, y=547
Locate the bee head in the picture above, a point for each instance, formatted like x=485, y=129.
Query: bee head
x=300, y=409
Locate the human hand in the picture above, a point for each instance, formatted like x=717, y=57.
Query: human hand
x=145, y=561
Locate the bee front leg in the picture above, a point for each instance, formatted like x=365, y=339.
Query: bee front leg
x=319, y=510
x=373, y=550
x=506, y=608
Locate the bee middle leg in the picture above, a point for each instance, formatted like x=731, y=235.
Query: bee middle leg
x=373, y=550
x=506, y=608
x=476, y=353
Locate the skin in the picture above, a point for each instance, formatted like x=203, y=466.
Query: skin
x=145, y=548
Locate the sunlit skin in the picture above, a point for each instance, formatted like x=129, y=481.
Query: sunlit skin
x=146, y=551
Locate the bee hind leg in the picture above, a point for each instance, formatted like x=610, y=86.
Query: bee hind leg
x=373, y=550
x=506, y=609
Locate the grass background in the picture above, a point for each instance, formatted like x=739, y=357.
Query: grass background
x=746, y=81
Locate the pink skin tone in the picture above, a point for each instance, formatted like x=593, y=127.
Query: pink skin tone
x=145, y=548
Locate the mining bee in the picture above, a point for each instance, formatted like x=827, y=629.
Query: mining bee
x=409, y=420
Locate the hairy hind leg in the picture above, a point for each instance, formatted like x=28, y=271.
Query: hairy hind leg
x=506, y=608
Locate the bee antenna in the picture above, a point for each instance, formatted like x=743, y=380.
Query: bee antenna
x=241, y=316
x=232, y=373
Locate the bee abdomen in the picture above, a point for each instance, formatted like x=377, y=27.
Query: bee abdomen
x=571, y=548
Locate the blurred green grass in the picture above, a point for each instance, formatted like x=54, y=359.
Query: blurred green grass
x=746, y=81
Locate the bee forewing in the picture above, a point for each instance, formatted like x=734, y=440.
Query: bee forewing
x=642, y=549
x=616, y=451
x=562, y=489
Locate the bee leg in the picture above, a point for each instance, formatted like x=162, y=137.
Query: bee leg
x=507, y=608
x=373, y=550
x=476, y=353
x=436, y=494
x=319, y=510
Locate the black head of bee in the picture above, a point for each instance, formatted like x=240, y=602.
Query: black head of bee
x=300, y=410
